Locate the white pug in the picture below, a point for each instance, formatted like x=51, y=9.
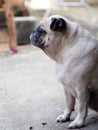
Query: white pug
x=75, y=52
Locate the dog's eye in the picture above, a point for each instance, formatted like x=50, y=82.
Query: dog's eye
x=44, y=32
x=41, y=31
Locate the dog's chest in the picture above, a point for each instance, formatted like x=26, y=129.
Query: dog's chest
x=65, y=78
x=62, y=73
x=59, y=72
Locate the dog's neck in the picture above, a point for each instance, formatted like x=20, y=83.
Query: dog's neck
x=65, y=44
x=56, y=52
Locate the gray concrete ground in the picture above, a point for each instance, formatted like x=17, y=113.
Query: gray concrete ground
x=30, y=95
x=29, y=92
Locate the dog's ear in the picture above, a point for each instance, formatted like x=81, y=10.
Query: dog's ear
x=58, y=24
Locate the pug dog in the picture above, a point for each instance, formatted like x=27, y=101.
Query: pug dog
x=75, y=52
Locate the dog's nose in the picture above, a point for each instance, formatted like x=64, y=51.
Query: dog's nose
x=33, y=31
x=31, y=36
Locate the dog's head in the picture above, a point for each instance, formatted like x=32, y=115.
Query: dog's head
x=49, y=33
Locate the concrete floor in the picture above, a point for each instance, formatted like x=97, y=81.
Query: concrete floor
x=30, y=95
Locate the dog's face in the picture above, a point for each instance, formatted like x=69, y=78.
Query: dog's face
x=49, y=33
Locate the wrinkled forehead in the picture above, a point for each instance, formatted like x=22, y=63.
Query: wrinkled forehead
x=45, y=23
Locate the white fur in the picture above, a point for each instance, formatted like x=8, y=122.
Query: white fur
x=76, y=56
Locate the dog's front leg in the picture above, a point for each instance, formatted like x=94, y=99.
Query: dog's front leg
x=82, y=100
x=70, y=102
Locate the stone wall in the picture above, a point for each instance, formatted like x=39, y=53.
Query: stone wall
x=89, y=1
x=92, y=1
x=20, y=2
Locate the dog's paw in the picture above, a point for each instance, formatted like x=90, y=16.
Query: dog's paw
x=63, y=118
x=75, y=125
